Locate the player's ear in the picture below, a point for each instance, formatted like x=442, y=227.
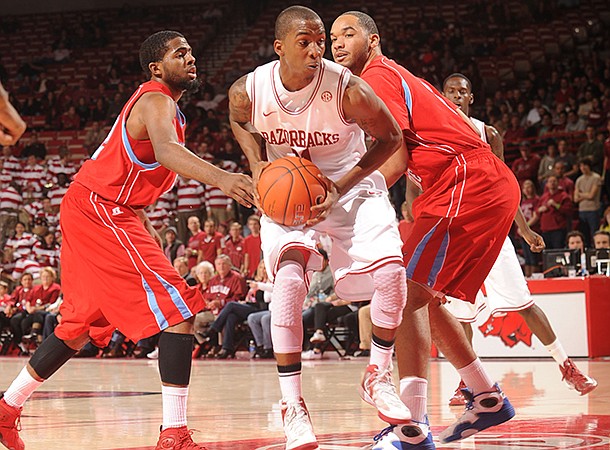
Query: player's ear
x=374, y=41
x=278, y=46
x=155, y=69
x=471, y=101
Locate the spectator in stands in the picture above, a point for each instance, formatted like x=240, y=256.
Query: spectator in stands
x=554, y=210
x=575, y=123
x=529, y=207
x=57, y=192
x=212, y=243
x=60, y=164
x=7, y=306
x=568, y=158
x=114, y=107
x=575, y=240
x=252, y=246
x=46, y=251
x=99, y=112
x=11, y=203
x=260, y=321
x=190, y=202
x=192, y=250
x=204, y=271
x=593, y=149
x=173, y=247
x=70, y=120
x=515, y=132
x=564, y=183
x=43, y=298
x=34, y=147
x=545, y=127
x=587, y=191
x=596, y=116
x=321, y=286
x=547, y=163
x=234, y=246
x=606, y=174
x=94, y=137
x=159, y=217
x=526, y=166
x=601, y=239
x=20, y=296
x=181, y=265
x=218, y=205
x=226, y=292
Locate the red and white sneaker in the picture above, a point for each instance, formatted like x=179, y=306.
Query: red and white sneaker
x=177, y=439
x=297, y=426
x=10, y=425
x=575, y=379
x=377, y=389
x=458, y=396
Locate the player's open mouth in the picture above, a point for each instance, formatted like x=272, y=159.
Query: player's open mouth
x=339, y=56
x=193, y=72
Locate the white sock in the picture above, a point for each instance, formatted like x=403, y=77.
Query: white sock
x=21, y=389
x=381, y=356
x=476, y=378
x=174, y=406
x=414, y=394
x=557, y=352
x=290, y=385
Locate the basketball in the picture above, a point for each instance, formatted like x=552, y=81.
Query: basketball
x=288, y=188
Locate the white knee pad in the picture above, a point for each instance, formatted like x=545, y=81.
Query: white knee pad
x=289, y=292
x=390, y=295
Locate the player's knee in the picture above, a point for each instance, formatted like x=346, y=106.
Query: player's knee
x=289, y=291
x=390, y=295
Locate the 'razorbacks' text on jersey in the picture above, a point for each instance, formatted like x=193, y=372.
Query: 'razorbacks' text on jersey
x=309, y=122
x=124, y=170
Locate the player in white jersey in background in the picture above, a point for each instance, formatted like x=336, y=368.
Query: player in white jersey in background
x=312, y=107
x=505, y=285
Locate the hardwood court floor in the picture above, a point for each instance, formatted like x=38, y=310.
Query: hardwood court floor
x=116, y=405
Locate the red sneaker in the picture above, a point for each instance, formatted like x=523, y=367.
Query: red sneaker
x=575, y=379
x=177, y=439
x=10, y=424
x=458, y=396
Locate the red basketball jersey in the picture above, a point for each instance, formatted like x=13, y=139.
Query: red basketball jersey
x=434, y=132
x=124, y=170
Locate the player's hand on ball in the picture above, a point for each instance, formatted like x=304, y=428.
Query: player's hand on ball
x=321, y=211
x=239, y=187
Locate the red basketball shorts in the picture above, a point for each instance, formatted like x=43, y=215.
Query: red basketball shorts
x=114, y=275
x=460, y=225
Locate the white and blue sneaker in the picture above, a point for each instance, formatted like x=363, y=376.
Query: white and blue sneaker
x=483, y=410
x=412, y=435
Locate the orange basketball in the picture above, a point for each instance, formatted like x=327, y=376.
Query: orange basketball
x=288, y=188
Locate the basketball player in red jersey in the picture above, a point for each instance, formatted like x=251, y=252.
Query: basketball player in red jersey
x=304, y=104
x=111, y=256
x=506, y=287
x=469, y=201
x=12, y=125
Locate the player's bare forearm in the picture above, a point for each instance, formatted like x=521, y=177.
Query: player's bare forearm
x=495, y=141
x=361, y=105
x=396, y=165
x=12, y=125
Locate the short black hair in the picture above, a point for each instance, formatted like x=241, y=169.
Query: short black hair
x=458, y=75
x=154, y=47
x=364, y=20
x=284, y=20
x=587, y=161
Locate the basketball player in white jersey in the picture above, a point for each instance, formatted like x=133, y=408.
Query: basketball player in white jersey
x=312, y=107
x=505, y=285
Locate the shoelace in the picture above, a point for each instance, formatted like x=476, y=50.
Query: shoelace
x=573, y=373
x=296, y=418
x=383, y=433
x=383, y=383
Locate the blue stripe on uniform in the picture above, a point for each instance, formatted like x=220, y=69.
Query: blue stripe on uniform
x=418, y=252
x=154, y=306
x=439, y=260
x=130, y=152
x=176, y=298
x=408, y=98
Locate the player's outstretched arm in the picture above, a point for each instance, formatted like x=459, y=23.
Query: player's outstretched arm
x=156, y=112
x=12, y=125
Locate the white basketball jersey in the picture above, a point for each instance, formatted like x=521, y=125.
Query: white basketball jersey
x=481, y=127
x=308, y=122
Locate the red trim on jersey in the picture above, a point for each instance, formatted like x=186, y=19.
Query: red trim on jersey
x=311, y=99
x=340, y=98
